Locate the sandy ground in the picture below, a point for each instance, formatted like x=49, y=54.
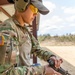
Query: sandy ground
x=67, y=53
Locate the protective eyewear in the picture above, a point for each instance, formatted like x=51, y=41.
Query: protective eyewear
x=34, y=9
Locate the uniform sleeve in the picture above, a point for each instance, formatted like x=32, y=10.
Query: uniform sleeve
x=20, y=70
x=38, y=51
x=23, y=70
x=10, y=36
x=7, y=30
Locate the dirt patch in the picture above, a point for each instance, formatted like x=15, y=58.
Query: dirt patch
x=56, y=43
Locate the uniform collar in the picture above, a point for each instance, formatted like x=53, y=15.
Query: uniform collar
x=16, y=22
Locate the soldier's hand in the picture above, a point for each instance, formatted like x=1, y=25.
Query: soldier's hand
x=57, y=61
x=50, y=71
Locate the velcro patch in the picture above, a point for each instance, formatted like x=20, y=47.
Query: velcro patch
x=1, y=40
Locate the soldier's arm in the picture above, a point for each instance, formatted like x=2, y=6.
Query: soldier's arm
x=10, y=39
x=38, y=51
x=36, y=70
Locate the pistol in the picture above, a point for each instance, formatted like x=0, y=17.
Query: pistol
x=60, y=70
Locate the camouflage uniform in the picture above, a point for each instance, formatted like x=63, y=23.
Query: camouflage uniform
x=25, y=44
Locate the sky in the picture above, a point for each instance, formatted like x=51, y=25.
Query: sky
x=60, y=20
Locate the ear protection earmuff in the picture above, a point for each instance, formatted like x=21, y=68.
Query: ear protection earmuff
x=20, y=5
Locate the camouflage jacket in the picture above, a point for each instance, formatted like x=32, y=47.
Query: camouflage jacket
x=23, y=42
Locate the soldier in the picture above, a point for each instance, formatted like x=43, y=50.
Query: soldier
x=20, y=42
